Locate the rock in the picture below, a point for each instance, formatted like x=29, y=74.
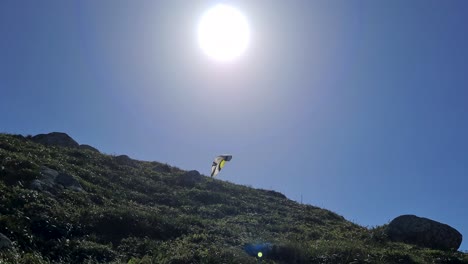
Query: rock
x=275, y=193
x=190, y=178
x=48, y=175
x=159, y=167
x=424, y=232
x=55, y=139
x=37, y=185
x=69, y=182
x=52, y=181
x=47, y=180
x=5, y=242
x=88, y=147
x=193, y=174
x=124, y=160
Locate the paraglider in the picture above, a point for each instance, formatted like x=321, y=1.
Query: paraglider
x=218, y=164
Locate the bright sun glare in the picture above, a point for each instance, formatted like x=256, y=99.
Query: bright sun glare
x=223, y=33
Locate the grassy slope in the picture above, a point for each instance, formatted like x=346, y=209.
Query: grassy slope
x=144, y=212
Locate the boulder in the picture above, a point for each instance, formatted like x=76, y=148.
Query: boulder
x=52, y=181
x=69, y=182
x=124, y=160
x=55, y=139
x=424, y=232
x=159, y=167
x=190, y=178
x=37, y=185
x=5, y=242
x=48, y=175
x=88, y=147
x=47, y=180
x=275, y=193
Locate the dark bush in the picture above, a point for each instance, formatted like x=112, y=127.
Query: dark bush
x=92, y=252
x=47, y=228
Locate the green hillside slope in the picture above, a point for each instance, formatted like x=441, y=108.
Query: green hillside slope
x=146, y=212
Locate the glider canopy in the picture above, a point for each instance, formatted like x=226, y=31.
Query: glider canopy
x=218, y=164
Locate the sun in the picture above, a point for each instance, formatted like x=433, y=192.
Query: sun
x=223, y=33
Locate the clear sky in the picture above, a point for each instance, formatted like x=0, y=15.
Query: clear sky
x=361, y=107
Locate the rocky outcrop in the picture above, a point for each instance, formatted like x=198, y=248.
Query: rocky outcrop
x=124, y=160
x=46, y=181
x=88, y=147
x=5, y=242
x=190, y=178
x=69, y=182
x=55, y=139
x=61, y=140
x=424, y=232
x=159, y=167
x=275, y=193
x=52, y=181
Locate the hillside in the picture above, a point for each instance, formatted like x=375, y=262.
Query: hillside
x=119, y=210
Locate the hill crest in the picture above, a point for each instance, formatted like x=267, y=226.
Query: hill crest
x=147, y=212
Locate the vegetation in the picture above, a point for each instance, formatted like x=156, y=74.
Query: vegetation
x=147, y=212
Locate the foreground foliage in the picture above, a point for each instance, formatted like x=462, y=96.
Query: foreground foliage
x=146, y=212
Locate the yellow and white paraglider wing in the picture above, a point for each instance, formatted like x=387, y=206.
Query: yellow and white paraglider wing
x=219, y=163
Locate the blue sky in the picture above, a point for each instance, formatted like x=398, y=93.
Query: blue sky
x=361, y=107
